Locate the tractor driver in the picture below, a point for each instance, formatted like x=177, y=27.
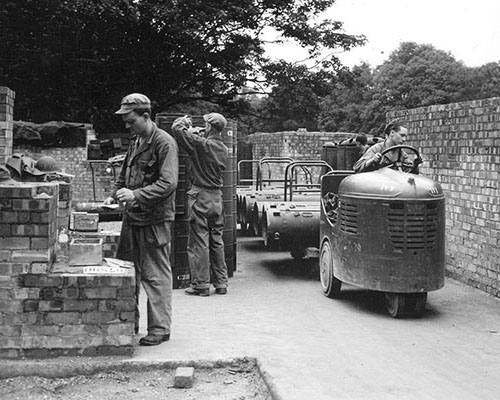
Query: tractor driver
x=395, y=134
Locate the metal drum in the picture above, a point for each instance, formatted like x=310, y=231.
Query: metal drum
x=329, y=154
x=229, y=197
x=347, y=154
x=180, y=263
x=180, y=227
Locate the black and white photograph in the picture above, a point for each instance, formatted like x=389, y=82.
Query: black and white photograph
x=249, y=200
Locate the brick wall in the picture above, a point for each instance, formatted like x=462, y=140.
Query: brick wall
x=295, y=144
x=460, y=144
x=73, y=160
x=6, y=122
x=28, y=226
x=298, y=145
x=47, y=309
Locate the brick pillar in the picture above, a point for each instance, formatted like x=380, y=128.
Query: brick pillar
x=28, y=221
x=6, y=122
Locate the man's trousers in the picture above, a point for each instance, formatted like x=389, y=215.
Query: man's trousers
x=205, y=243
x=151, y=254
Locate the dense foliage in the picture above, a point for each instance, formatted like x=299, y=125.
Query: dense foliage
x=414, y=75
x=357, y=99
x=75, y=59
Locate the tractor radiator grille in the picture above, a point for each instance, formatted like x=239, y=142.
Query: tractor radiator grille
x=348, y=217
x=413, y=229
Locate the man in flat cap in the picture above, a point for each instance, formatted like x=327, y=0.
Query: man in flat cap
x=146, y=185
x=206, y=214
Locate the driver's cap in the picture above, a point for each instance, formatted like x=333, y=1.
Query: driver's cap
x=133, y=101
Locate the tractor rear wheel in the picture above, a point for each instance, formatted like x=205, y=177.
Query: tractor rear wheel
x=400, y=304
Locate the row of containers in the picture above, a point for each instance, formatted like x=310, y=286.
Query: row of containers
x=179, y=261
x=266, y=207
x=343, y=155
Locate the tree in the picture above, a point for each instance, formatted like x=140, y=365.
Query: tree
x=295, y=100
x=414, y=75
x=420, y=75
x=75, y=59
x=484, y=81
x=344, y=108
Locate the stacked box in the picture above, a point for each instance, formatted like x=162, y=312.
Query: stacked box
x=6, y=122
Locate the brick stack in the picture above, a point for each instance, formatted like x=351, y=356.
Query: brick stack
x=64, y=201
x=64, y=204
x=28, y=217
x=73, y=314
x=6, y=122
x=460, y=145
x=43, y=313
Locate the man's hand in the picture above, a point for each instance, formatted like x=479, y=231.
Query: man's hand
x=196, y=130
x=109, y=200
x=125, y=195
x=375, y=159
x=187, y=120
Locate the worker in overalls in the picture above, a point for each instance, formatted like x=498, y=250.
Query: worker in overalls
x=209, y=157
x=146, y=185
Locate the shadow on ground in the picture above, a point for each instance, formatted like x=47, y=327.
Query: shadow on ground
x=306, y=269
x=374, y=302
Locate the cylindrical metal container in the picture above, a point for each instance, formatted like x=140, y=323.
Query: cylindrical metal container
x=351, y=156
x=347, y=154
x=180, y=227
x=229, y=197
x=180, y=263
x=329, y=154
x=164, y=121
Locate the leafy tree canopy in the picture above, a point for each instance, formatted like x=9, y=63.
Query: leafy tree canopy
x=414, y=75
x=75, y=59
x=419, y=75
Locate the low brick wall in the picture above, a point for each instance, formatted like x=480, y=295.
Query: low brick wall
x=48, y=313
x=67, y=315
x=460, y=145
x=73, y=160
x=295, y=144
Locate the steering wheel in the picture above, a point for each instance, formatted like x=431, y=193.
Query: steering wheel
x=399, y=163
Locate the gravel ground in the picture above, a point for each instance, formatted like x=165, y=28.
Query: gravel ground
x=231, y=383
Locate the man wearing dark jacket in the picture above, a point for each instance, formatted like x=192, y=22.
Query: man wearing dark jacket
x=209, y=157
x=146, y=186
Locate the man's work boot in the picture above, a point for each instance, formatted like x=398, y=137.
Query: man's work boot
x=221, y=290
x=154, y=340
x=197, y=292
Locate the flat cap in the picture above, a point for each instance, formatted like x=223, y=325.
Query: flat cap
x=216, y=120
x=132, y=101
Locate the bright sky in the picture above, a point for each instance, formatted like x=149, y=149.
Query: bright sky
x=468, y=29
